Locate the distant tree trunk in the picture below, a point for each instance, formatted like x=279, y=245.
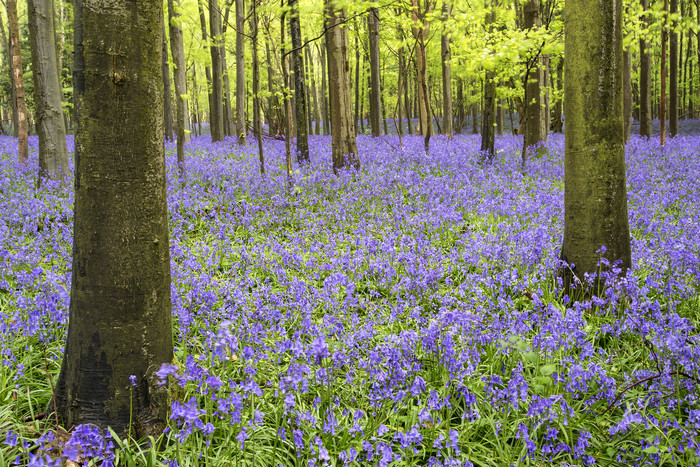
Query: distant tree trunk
x=167, y=107
x=488, y=138
x=205, y=40
x=324, y=91
x=216, y=125
x=461, y=117
x=299, y=85
x=286, y=99
x=557, y=123
x=344, y=146
x=13, y=26
x=421, y=30
x=673, y=74
x=177, y=50
x=407, y=98
x=645, y=111
x=240, y=73
x=399, y=86
x=314, y=93
x=533, y=77
x=53, y=154
x=375, y=90
x=627, y=92
x=8, y=55
x=662, y=100
x=229, y=129
x=446, y=72
x=475, y=113
x=120, y=311
x=595, y=193
x=357, y=77
x=257, y=120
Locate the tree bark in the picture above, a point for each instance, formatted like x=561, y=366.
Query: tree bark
x=344, y=145
x=673, y=74
x=645, y=112
x=119, y=318
x=167, y=103
x=446, y=71
x=216, y=125
x=299, y=85
x=53, y=153
x=557, y=123
x=257, y=118
x=375, y=90
x=240, y=73
x=177, y=49
x=17, y=80
x=324, y=92
x=421, y=30
x=595, y=190
x=533, y=77
x=627, y=92
x=662, y=100
x=205, y=40
x=314, y=92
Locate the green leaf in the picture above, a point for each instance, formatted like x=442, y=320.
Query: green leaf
x=651, y=450
x=548, y=370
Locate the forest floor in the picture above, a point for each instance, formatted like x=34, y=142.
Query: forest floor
x=405, y=314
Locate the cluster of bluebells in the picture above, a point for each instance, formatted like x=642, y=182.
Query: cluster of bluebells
x=407, y=312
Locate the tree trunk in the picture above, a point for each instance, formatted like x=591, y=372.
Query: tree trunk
x=461, y=116
x=375, y=90
x=533, y=77
x=421, y=30
x=119, y=323
x=177, y=49
x=488, y=137
x=216, y=125
x=645, y=112
x=167, y=108
x=673, y=74
x=344, y=146
x=662, y=100
x=446, y=72
x=257, y=120
x=324, y=92
x=240, y=73
x=557, y=123
x=17, y=81
x=314, y=93
x=205, y=40
x=357, y=76
x=627, y=92
x=595, y=190
x=53, y=153
x=299, y=85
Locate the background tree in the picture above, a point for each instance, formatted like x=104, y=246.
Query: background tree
x=216, y=125
x=446, y=70
x=53, y=153
x=178, y=53
x=645, y=115
x=595, y=190
x=17, y=80
x=119, y=317
x=375, y=89
x=240, y=72
x=533, y=77
x=299, y=85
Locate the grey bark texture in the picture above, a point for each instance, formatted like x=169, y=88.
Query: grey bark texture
x=167, y=102
x=205, y=40
x=627, y=92
x=421, y=31
x=595, y=190
x=446, y=72
x=177, y=50
x=216, y=125
x=645, y=115
x=120, y=309
x=673, y=74
x=300, y=109
x=53, y=153
x=344, y=145
x=257, y=115
x=17, y=81
x=375, y=90
x=240, y=72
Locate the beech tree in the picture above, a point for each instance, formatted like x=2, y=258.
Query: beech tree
x=595, y=189
x=216, y=124
x=17, y=80
x=446, y=71
x=645, y=116
x=240, y=73
x=375, y=90
x=177, y=49
x=299, y=85
x=119, y=331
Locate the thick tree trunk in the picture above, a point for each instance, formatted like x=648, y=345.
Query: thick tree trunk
x=533, y=77
x=240, y=73
x=53, y=153
x=673, y=74
x=177, y=49
x=645, y=112
x=167, y=107
x=299, y=85
x=446, y=72
x=375, y=90
x=17, y=80
x=344, y=145
x=119, y=323
x=421, y=30
x=216, y=125
x=627, y=92
x=205, y=40
x=595, y=190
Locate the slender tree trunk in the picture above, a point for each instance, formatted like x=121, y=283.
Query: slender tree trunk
x=257, y=120
x=314, y=92
x=240, y=73
x=421, y=30
x=357, y=76
x=461, y=116
x=119, y=324
x=344, y=146
x=557, y=123
x=475, y=113
x=595, y=193
x=177, y=50
x=407, y=98
x=324, y=91
x=533, y=78
x=228, y=117
x=662, y=100
x=53, y=153
x=13, y=97
x=446, y=72
x=375, y=91
x=627, y=92
x=17, y=81
x=488, y=139
x=205, y=40
x=645, y=111
x=275, y=125
x=673, y=74
x=299, y=85
x=216, y=124
x=167, y=107
x=399, y=86
x=287, y=101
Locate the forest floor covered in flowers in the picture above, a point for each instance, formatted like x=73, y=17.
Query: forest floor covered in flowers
x=405, y=314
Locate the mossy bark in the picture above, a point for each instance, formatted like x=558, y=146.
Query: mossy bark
x=595, y=196
x=119, y=317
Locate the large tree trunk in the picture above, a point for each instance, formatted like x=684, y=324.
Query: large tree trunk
x=533, y=77
x=216, y=125
x=205, y=40
x=119, y=323
x=240, y=73
x=446, y=72
x=167, y=107
x=627, y=92
x=645, y=112
x=299, y=85
x=375, y=90
x=344, y=145
x=421, y=30
x=673, y=74
x=17, y=80
x=177, y=50
x=595, y=191
x=53, y=153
